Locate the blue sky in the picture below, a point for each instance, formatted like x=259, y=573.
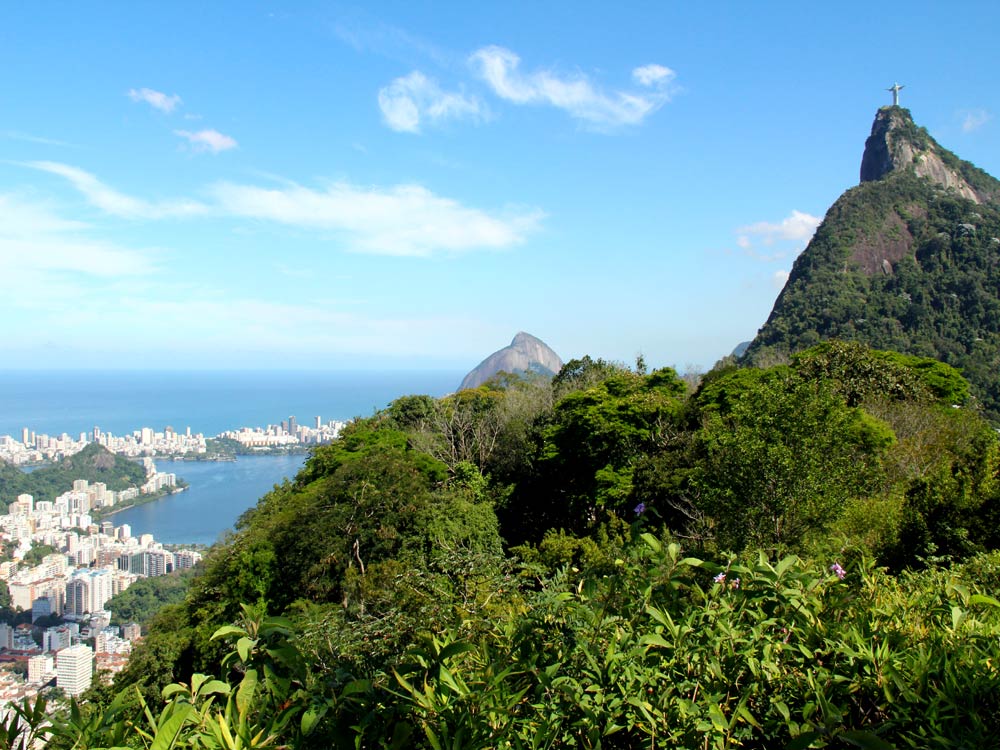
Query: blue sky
x=405, y=185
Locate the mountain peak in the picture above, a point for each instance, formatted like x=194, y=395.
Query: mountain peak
x=523, y=339
x=526, y=353
x=896, y=144
x=905, y=261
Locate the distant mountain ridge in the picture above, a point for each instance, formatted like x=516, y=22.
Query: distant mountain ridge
x=908, y=260
x=526, y=353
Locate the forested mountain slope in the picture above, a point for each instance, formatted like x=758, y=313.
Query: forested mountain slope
x=909, y=260
x=800, y=555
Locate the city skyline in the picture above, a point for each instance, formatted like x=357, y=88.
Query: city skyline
x=330, y=186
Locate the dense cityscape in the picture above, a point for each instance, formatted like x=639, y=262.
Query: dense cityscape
x=34, y=448
x=63, y=560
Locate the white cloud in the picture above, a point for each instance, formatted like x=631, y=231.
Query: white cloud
x=974, y=119
x=48, y=264
x=797, y=227
x=401, y=220
x=115, y=203
x=208, y=140
x=156, y=99
x=397, y=220
x=410, y=99
x=779, y=279
x=653, y=75
x=499, y=67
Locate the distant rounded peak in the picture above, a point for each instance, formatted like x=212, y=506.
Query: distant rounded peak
x=523, y=337
x=526, y=353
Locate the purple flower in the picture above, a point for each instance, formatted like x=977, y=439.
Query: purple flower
x=838, y=571
x=640, y=509
x=721, y=578
x=735, y=584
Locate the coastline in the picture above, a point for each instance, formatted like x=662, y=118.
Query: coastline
x=142, y=500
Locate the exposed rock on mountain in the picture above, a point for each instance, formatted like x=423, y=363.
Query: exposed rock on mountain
x=908, y=260
x=526, y=353
x=896, y=143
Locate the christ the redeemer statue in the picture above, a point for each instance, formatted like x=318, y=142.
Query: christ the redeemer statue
x=895, y=93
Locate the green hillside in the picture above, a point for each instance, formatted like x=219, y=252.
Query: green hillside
x=797, y=556
x=94, y=463
x=902, y=262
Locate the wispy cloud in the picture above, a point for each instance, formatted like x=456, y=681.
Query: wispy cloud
x=208, y=140
x=973, y=119
x=404, y=220
x=412, y=99
x=401, y=220
x=46, y=260
x=114, y=202
x=575, y=94
x=367, y=35
x=779, y=279
x=156, y=99
x=797, y=227
x=28, y=138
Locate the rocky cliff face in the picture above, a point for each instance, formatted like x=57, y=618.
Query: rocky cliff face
x=897, y=144
x=526, y=353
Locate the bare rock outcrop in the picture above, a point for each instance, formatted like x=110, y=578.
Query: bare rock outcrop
x=896, y=144
x=526, y=353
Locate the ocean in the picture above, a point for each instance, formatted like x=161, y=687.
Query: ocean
x=209, y=402
x=53, y=402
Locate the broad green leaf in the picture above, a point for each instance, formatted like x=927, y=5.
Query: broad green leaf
x=654, y=639
x=214, y=687
x=243, y=647
x=169, y=732
x=246, y=690
x=983, y=599
x=228, y=630
x=957, y=616
x=651, y=541
x=309, y=720
x=452, y=649
x=356, y=686
x=718, y=718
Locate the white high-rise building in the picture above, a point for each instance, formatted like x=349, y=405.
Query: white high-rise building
x=40, y=668
x=89, y=590
x=74, y=669
x=57, y=638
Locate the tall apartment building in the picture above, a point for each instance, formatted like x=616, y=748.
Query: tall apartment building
x=186, y=558
x=40, y=669
x=74, y=669
x=89, y=590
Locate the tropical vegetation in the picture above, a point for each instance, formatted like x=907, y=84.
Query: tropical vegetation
x=790, y=557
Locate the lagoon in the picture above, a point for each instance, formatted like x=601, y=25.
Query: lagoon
x=220, y=491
